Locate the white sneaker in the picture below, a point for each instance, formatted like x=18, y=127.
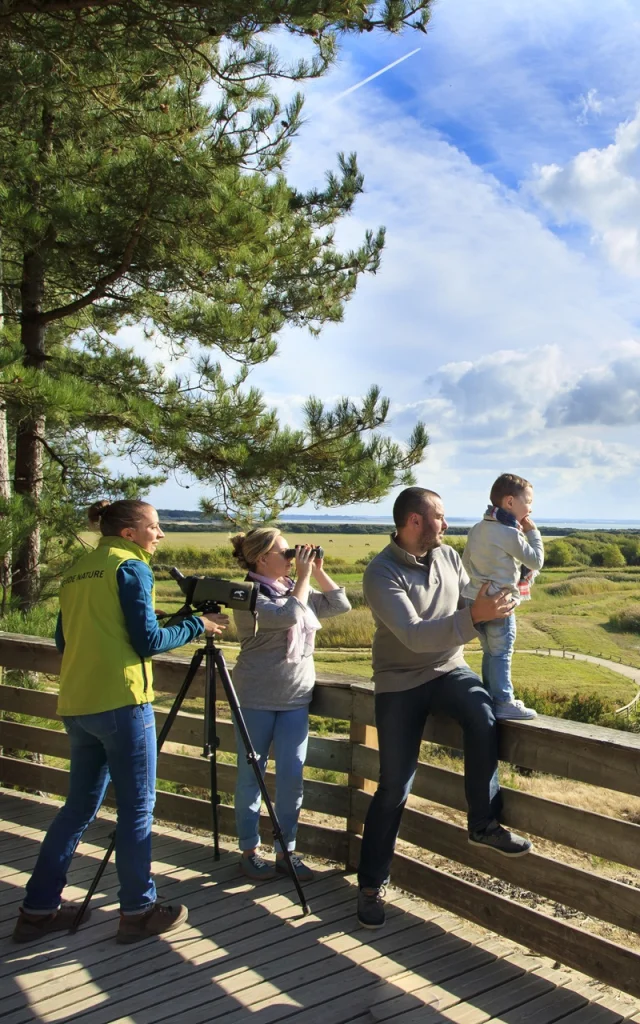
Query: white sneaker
x=513, y=709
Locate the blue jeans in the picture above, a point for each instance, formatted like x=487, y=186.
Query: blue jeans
x=120, y=745
x=498, y=639
x=289, y=733
x=400, y=720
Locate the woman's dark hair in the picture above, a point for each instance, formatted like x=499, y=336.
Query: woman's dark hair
x=111, y=517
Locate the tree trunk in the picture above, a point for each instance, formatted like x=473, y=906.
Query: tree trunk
x=29, y=435
x=5, y=484
x=5, y=493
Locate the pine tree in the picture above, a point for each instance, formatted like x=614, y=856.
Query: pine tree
x=128, y=199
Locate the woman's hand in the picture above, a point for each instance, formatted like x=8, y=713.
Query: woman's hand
x=497, y=606
x=304, y=561
x=318, y=567
x=214, y=622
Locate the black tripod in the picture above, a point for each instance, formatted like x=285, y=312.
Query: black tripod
x=214, y=660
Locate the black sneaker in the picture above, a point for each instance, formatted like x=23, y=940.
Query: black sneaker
x=497, y=838
x=371, y=907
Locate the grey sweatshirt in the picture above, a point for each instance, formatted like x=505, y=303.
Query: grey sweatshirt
x=263, y=678
x=420, y=617
x=494, y=553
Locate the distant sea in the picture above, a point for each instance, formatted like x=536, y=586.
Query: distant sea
x=564, y=524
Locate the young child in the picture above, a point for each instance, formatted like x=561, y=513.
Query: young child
x=505, y=550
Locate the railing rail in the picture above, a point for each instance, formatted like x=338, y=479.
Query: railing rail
x=605, y=758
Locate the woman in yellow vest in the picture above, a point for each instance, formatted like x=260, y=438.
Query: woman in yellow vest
x=108, y=631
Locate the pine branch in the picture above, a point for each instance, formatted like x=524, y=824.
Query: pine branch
x=99, y=289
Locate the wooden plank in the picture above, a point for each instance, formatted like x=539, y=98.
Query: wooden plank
x=593, y=1013
x=608, y=962
x=587, y=753
x=608, y=900
x=312, y=839
x=29, y=653
x=598, y=834
x=332, y=698
x=323, y=797
x=34, y=739
x=21, y=701
x=332, y=753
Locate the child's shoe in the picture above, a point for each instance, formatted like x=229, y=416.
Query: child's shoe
x=513, y=710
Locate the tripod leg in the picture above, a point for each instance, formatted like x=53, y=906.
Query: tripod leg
x=210, y=749
x=252, y=759
x=175, y=707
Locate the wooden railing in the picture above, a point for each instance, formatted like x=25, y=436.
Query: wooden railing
x=604, y=758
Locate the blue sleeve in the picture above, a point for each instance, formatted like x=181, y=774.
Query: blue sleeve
x=135, y=585
x=59, y=635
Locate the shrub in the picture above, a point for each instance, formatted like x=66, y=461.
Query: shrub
x=580, y=585
x=612, y=557
x=40, y=621
x=626, y=621
x=457, y=543
x=559, y=553
x=630, y=548
x=356, y=597
x=355, y=629
x=577, y=707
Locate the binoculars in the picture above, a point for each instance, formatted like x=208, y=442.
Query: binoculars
x=317, y=552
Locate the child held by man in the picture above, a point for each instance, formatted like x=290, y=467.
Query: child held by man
x=504, y=550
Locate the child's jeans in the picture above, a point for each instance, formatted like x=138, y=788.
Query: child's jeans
x=498, y=639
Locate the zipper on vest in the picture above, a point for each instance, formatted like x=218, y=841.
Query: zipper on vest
x=146, y=680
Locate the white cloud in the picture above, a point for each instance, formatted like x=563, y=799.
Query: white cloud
x=503, y=392
x=589, y=104
x=608, y=395
x=601, y=187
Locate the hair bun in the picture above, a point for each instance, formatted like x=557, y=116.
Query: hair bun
x=237, y=544
x=97, y=510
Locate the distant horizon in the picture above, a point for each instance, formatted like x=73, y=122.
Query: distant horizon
x=296, y=517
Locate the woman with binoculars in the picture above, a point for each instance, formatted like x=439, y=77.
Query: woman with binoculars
x=274, y=678
x=108, y=631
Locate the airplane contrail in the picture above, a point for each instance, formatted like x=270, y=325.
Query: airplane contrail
x=358, y=85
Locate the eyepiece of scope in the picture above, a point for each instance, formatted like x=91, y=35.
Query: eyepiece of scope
x=176, y=574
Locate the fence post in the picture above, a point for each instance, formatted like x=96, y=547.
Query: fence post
x=367, y=736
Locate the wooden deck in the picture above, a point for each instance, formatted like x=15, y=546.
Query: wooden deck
x=248, y=955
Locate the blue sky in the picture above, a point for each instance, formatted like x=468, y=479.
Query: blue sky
x=504, y=160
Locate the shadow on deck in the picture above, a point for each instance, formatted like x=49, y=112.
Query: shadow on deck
x=247, y=954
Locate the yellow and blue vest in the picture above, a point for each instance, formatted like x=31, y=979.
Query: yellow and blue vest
x=101, y=670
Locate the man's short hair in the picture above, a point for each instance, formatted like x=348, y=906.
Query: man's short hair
x=508, y=485
x=412, y=499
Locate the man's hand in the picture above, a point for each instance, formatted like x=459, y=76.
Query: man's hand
x=527, y=524
x=214, y=622
x=495, y=606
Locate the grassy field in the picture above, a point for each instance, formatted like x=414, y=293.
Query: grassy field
x=347, y=546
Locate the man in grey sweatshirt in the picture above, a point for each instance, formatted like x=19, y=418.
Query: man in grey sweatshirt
x=413, y=588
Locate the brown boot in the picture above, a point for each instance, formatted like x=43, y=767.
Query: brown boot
x=160, y=919
x=34, y=926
